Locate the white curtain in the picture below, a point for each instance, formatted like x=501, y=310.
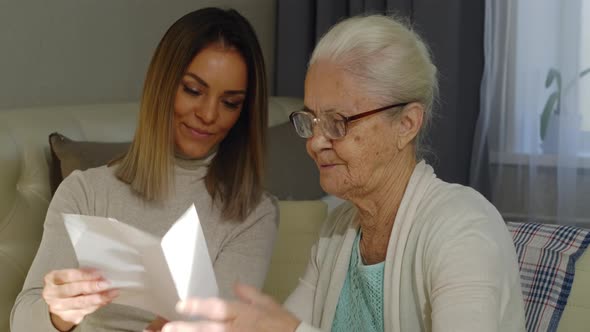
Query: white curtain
x=532, y=137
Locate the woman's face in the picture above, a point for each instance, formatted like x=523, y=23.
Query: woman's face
x=359, y=162
x=209, y=100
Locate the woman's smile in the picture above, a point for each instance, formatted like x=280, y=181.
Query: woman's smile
x=197, y=133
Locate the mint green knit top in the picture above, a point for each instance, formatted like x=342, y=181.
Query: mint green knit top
x=360, y=305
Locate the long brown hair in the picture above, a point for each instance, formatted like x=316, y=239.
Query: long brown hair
x=235, y=175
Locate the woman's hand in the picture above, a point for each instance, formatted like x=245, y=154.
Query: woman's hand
x=74, y=293
x=255, y=313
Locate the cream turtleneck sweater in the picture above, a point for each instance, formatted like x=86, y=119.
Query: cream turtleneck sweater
x=239, y=250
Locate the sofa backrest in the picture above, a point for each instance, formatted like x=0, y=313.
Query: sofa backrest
x=24, y=173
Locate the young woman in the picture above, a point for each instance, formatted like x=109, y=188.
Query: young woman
x=199, y=140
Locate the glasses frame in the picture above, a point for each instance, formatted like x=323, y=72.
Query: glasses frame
x=346, y=119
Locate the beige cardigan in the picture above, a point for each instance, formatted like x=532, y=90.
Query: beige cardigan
x=450, y=264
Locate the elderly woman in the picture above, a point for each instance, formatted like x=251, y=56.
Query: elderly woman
x=407, y=252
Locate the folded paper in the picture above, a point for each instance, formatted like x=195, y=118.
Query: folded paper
x=151, y=273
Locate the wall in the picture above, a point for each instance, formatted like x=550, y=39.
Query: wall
x=67, y=52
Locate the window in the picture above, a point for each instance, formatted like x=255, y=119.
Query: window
x=551, y=38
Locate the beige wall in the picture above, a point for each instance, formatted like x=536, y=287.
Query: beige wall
x=67, y=52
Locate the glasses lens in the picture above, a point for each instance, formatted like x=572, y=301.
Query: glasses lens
x=333, y=125
x=303, y=123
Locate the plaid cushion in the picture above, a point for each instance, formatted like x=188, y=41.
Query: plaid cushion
x=547, y=257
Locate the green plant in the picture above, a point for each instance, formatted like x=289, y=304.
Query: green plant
x=554, y=100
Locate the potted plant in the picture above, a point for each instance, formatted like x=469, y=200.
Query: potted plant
x=551, y=112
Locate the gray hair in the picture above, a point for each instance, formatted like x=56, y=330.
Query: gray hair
x=389, y=60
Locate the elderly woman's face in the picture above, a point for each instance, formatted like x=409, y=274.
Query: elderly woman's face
x=209, y=100
x=358, y=162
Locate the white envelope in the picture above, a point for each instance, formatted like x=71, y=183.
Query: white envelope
x=151, y=273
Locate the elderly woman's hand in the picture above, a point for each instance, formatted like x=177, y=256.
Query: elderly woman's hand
x=156, y=325
x=255, y=312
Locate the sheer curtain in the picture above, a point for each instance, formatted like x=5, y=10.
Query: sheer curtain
x=532, y=136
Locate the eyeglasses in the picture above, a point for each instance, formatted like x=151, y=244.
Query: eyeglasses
x=333, y=125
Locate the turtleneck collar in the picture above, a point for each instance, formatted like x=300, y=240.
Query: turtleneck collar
x=189, y=163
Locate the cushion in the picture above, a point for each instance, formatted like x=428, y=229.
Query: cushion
x=68, y=155
x=547, y=256
x=290, y=172
x=299, y=227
